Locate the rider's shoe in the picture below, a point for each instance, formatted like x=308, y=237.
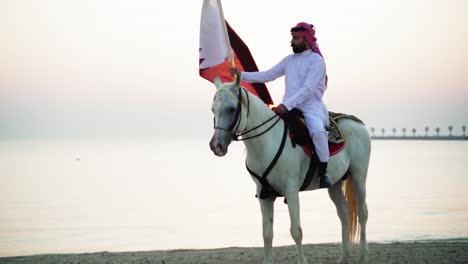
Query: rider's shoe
x=325, y=181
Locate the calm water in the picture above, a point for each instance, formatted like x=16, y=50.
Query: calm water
x=63, y=197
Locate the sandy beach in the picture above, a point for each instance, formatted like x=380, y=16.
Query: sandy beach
x=415, y=252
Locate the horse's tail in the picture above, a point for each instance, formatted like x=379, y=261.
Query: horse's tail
x=350, y=197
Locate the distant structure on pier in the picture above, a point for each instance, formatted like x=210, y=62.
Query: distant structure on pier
x=416, y=136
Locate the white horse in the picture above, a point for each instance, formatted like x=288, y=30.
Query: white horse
x=239, y=115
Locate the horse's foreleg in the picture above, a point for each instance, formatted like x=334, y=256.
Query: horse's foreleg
x=337, y=196
x=267, y=219
x=296, y=230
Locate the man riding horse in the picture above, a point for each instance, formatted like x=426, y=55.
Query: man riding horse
x=306, y=82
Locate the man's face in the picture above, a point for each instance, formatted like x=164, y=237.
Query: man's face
x=298, y=43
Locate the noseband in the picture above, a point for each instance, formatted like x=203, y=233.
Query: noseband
x=237, y=120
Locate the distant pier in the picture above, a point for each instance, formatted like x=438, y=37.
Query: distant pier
x=428, y=133
x=419, y=137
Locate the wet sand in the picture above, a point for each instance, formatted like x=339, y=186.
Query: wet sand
x=415, y=252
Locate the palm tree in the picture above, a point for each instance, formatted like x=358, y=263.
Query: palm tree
x=394, y=131
x=450, y=128
x=372, y=130
x=404, y=131
x=437, y=129
x=427, y=130
x=464, y=129
x=383, y=132
x=414, y=132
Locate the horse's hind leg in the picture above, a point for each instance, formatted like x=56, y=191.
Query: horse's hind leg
x=337, y=196
x=296, y=230
x=359, y=185
x=266, y=206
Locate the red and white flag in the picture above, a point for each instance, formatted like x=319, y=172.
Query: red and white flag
x=219, y=45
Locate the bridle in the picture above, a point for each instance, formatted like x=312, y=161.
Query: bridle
x=236, y=136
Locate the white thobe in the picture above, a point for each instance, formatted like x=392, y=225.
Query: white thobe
x=305, y=81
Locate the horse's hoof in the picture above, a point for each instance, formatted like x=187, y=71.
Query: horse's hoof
x=343, y=261
x=363, y=260
x=302, y=260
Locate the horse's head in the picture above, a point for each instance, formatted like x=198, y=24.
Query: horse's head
x=227, y=110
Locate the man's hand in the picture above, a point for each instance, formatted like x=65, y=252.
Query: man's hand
x=280, y=109
x=235, y=71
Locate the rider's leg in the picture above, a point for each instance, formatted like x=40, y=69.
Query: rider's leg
x=320, y=139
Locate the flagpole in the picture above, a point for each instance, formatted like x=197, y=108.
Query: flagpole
x=226, y=36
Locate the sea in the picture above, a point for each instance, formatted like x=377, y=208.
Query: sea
x=77, y=196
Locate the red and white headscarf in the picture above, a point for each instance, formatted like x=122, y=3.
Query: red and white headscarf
x=307, y=31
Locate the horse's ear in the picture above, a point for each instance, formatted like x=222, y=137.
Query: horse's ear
x=217, y=82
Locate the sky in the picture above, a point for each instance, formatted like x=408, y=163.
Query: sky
x=100, y=69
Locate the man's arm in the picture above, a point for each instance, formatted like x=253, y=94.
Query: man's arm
x=264, y=76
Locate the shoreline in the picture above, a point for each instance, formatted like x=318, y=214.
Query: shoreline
x=422, y=251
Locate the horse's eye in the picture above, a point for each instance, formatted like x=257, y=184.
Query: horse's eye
x=231, y=109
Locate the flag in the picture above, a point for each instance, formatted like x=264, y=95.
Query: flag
x=219, y=44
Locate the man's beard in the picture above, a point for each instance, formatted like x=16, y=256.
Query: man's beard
x=298, y=48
